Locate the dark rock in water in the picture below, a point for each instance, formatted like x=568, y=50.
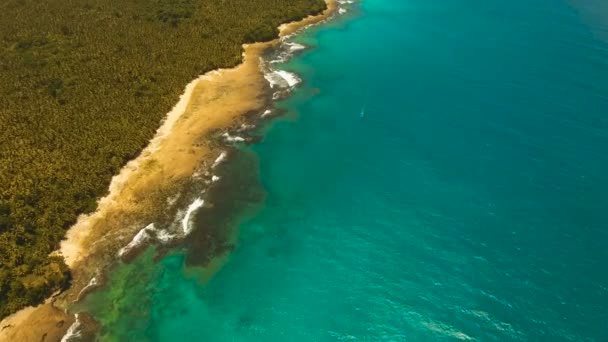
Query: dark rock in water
x=245, y=321
x=231, y=199
x=254, y=139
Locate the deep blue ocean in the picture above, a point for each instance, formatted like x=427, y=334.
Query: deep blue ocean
x=440, y=175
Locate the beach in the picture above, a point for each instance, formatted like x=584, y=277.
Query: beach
x=414, y=171
x=148, y=188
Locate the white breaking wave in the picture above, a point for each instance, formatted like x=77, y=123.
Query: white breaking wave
x=219, y=159
x=145, y=235
x=92, y=283
x=266, y=112
x=272, y=79
x=295, y=47
x=186, y=226
x=245, y=127
x=230, y=138
x=282, y=79
x=164, y=236
x=343, y=10
x=73, y=331
x=140, y=238
x=215, y=178
x=291, y=78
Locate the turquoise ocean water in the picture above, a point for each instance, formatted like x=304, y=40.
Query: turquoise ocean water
x=468, y=202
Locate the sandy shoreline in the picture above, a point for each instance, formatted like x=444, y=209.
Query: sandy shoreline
x=183, y=145
x=43, y=323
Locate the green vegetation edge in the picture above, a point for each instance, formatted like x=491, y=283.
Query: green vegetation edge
x=84, y=84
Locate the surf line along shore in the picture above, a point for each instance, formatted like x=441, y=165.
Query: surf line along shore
x=182, y=146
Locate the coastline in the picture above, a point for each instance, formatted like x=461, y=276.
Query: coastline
x=183, y=147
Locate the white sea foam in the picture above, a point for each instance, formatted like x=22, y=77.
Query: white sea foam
x=266, y=112
x=282, y=79
x=140, y=238
x=197, y=174
x=73, y=331
x=446, y=330
x=272, y=79
x=146, y=234
x=291, y=78
x=498, y=325
x=92, y=283
x=186, y=226
x=172, y=200
x=245, y=127
x=164, y=236
x=295, y=46
x=230, y=138
x=221, y=158
x=215, y=178
x=343, y=10
x=280, y=59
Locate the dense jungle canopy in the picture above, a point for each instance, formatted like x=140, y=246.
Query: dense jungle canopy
x=84, y=84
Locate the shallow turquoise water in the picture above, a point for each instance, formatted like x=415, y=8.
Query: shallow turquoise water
x=468, y=203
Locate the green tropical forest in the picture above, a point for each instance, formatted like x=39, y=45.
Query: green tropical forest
x=84, y=84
